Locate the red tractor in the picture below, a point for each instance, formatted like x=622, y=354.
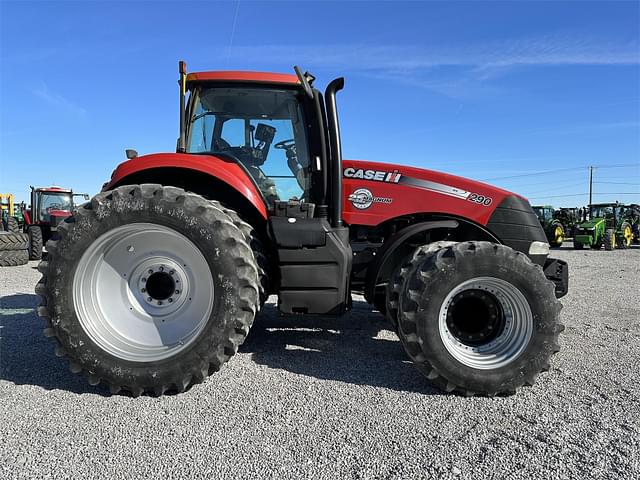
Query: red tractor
x=154, y=284
x=49, y=207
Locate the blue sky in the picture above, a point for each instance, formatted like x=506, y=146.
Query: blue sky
x=488, y=90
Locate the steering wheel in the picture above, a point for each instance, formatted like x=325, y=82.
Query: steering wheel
x=285, y=144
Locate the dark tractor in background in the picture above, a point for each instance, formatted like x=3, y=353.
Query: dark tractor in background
x=553, y=228
x=154, y=284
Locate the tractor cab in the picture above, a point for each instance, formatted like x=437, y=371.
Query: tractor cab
x=609, y=212
x=276, y=128
x=50, y=205
x=544, y=213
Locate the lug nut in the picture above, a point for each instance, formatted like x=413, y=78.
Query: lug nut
x=149, y=299
x=144, y=279
x=177, y=292
x=161, y=269
x=143, y=290
x=159, y=302
x=150, y=271
x=172, y=272
x=171, y=300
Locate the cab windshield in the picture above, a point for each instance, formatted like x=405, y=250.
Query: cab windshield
x=261, y=128
x=602, y=211
x=55, y=201
x=543, y=214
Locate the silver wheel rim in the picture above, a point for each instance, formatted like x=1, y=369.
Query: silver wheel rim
x=143, y=292
x=509, y=343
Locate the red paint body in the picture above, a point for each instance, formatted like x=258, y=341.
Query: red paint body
x=229, y=172
x=405, y=199
x=236, y=76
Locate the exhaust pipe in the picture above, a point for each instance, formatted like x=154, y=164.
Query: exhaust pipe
x=182, y=68
x=336, y=150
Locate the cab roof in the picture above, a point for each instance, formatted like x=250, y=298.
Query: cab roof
x=241, y=76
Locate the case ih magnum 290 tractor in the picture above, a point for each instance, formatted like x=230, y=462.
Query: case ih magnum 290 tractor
x=153, y=284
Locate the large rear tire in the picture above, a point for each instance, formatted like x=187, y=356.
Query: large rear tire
x=259, y=252
x=626, y=235
x=13, y=241
x=558, y=235
x=148, y=288
x=478, y=318
x=35, y=242
x=13, y=258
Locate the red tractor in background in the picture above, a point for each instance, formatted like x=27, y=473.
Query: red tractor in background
x=152, y=285
x=49, y=207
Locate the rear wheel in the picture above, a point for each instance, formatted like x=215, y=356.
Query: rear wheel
x=148, y=289
x=259, y=252
x=558, y=235
x=626, y=236
x=35, y=243
x=478, y=318
x=609, y=239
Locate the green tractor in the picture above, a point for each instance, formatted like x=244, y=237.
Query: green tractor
x=631, y=215
x=553, y=228
x=568, y=218
x=609, y=225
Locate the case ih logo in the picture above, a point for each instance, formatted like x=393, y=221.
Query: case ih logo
x=363, y=199
x=375, y=175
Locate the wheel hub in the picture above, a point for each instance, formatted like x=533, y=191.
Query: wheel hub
x=475, y=317
x=485, y=323
x=143, y=292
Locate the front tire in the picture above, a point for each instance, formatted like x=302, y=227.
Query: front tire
x=148, y=289
x=609, y=239
x=478, y=318
x=12, y=225
x=35, y=242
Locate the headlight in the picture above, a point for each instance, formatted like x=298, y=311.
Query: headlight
x=539, y=248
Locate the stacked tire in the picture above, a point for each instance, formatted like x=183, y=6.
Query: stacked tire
x=14, y=249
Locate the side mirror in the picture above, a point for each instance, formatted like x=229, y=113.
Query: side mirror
x=131, y=153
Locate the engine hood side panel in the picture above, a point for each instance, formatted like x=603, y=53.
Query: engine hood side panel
x=376, y=192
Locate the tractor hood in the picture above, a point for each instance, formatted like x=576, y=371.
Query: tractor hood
x=591, y=223
x=375, y=192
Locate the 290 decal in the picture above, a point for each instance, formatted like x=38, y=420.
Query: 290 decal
x=481, y=199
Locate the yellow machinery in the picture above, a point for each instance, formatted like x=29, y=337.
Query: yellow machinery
x=6, y=203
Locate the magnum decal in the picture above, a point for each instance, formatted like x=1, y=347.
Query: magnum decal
x=362, y=199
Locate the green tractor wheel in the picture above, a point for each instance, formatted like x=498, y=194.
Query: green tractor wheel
x=558, y=235
x=609, y=239
x=626, y=236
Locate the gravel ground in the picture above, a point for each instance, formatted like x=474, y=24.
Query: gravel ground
x=335, y=398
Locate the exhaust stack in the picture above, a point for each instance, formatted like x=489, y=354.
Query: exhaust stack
x=336, y=150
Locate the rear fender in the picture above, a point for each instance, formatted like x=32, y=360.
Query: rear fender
x=179, y=169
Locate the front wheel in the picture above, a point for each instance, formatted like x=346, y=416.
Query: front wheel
x=148, y=289
x=478, y=318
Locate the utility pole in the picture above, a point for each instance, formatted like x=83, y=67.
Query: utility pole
x=590, y=186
